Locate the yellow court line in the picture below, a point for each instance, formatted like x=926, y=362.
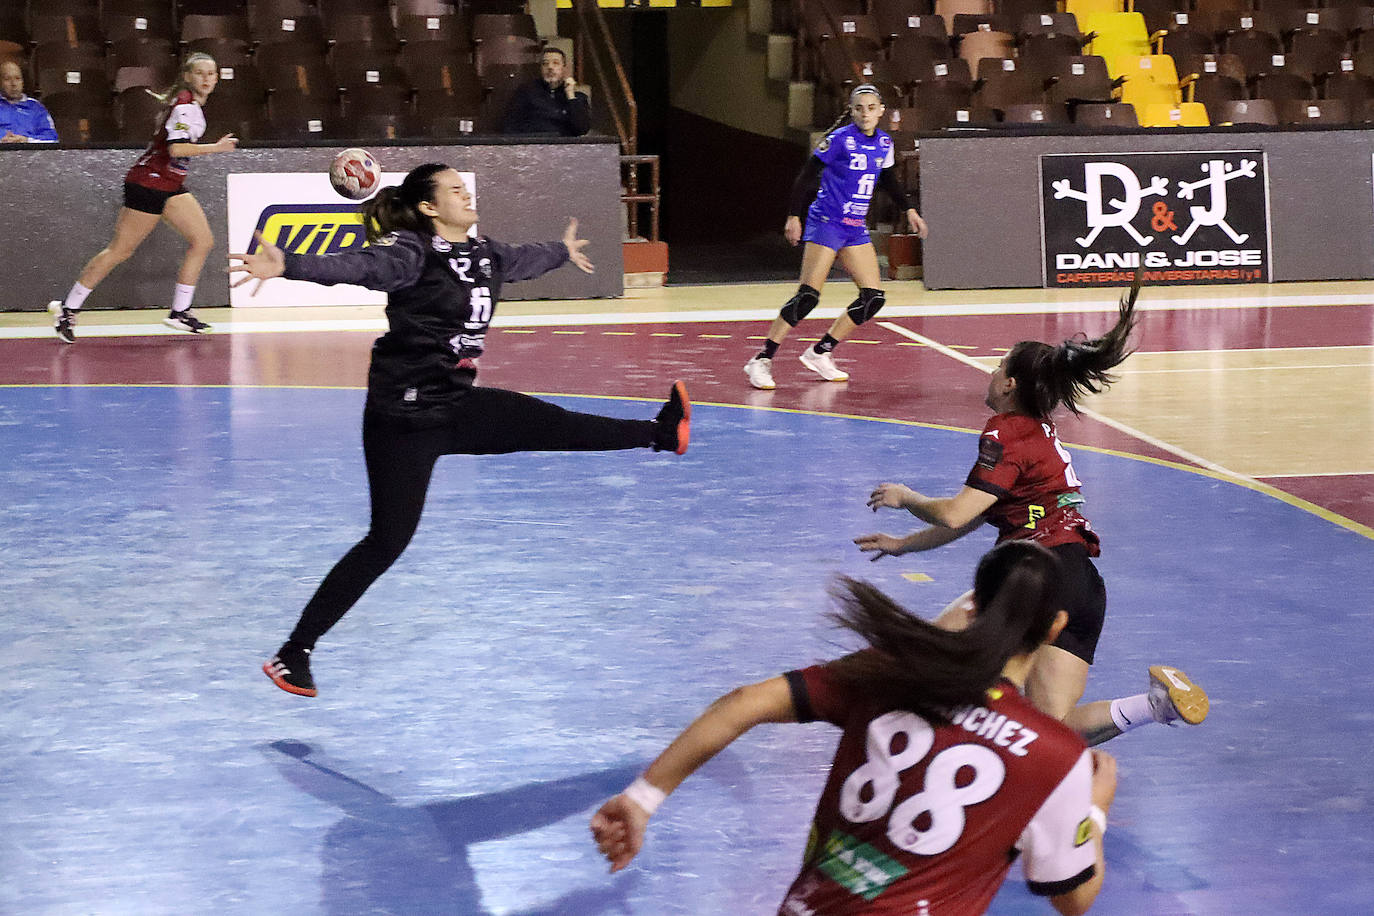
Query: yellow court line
x=1222, y=475
x=663, y=334
x=618, y=333
x=570, y=332
x=518, y=331
x=715, y=336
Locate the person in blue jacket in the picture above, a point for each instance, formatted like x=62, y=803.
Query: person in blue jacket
x=22, y=119
x=423, y=402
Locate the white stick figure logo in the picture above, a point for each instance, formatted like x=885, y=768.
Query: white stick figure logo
x=1218, y=173
x=1125, y=207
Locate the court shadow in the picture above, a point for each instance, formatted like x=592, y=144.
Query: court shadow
x=386, y=857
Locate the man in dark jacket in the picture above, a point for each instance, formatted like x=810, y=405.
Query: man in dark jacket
x=551, y=104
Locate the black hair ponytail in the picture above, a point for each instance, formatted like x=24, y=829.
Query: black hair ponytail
x=397, y=207
x=918, y=666
x=1048, y=376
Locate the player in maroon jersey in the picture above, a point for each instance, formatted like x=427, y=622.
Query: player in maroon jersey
x=1023, y=483
x=153, y=192
x=944, y=771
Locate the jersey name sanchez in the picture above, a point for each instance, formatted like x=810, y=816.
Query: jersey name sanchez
x=157, y=168
x=1023, y=464
x=923, y=819
x=852, y=163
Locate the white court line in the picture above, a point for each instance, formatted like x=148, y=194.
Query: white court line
x=1114, y=424
x=1323, y=474
x=687, y=316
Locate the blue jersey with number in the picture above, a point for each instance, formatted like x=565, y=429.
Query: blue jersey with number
x=852, y=163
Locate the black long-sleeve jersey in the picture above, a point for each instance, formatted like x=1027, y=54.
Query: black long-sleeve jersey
x=441, y=296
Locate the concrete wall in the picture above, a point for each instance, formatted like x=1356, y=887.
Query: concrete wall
x=718, y=73
x=61, y=206
x=982, y=198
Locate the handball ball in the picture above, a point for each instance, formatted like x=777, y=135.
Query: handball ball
x=355, y=173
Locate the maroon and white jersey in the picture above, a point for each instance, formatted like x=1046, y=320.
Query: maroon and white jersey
x=1023, y=464
x=157, y=168
x=917, y=820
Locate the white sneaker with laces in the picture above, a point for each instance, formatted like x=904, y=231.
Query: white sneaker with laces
x=823, y=364
x=1174, y=698
x=760, y=372
x=65, y=322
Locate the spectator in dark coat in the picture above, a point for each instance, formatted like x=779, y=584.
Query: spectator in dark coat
x=551, y=104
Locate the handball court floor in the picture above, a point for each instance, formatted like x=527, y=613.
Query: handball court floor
x=171, y=502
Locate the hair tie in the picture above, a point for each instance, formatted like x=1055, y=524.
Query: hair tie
x=865, y=88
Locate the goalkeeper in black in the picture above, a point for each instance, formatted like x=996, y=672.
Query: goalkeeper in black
x=442, y=287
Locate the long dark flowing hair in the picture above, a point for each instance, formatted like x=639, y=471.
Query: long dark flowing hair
x=1048, y=376
x=398, y=206
x=918, y=666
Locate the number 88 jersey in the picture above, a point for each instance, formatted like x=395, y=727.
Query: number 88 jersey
x=922, y=819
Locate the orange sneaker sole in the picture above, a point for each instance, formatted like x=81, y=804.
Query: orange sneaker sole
x=267, y=670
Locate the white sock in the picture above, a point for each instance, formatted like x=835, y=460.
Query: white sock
x=76, y=296
x=1132, y=712
x=181, y=301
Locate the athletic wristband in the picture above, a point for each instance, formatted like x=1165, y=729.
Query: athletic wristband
x=647, y=796
x=1098, y=817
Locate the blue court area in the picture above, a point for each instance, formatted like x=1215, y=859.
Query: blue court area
x=556, y=621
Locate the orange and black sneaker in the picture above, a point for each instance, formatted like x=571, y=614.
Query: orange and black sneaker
x=289, y=669
x=673, y=425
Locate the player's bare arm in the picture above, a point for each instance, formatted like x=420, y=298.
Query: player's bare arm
x=951, y=512
x=887, y=545
x=619, y=825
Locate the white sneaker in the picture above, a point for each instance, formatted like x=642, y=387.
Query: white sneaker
x=1174, y=698
x=760, y=372
x=823, y=364
x=65, y=323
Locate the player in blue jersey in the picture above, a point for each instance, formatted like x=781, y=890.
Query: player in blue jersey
x=837, y=183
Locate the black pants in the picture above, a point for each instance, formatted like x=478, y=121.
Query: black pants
x=1084, y=596
x=400, y=458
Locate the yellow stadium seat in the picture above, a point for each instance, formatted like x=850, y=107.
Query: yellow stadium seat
x=1117, y=34
x=1149, y=79
x=1081, y=8
x=1186, y=114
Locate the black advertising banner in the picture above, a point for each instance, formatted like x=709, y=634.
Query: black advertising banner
x=1192, y=217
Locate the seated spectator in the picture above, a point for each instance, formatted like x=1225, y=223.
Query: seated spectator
x=22, y=119
x=551, y=104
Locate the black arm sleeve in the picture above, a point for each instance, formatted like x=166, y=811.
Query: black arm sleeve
x=524, y=262
x=801, y=699
x=392, y=263
x=805, y=187
x=888, y=181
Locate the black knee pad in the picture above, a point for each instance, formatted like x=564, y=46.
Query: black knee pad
x=800, y=305
x=866, y=306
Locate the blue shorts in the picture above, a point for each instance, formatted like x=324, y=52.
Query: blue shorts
x=834, y=235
